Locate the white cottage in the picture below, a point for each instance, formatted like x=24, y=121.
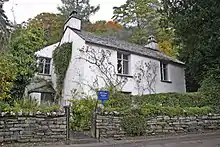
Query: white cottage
x=98, y=61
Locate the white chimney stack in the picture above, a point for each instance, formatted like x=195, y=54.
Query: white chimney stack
x=73, y=22
x=152, y=43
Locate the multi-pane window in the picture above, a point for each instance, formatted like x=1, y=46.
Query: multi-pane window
x=123, y=63
x=44, y=66
x=164, y=71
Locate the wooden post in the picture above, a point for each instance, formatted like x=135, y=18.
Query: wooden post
x=67, y=113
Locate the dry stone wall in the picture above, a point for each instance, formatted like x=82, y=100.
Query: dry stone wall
x=50, y=127
x=109, y=126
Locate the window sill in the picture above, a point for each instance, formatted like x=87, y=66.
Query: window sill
x=44, y=75
x=166, y=81
x=127, y=76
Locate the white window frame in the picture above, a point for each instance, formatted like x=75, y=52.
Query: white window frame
x=122, y=59
x=44, y=65
x=164, y=72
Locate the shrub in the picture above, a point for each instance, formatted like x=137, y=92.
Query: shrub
x=27, y=105
x=196, y=111
x=81, y=114
x=4, y=107
x=170, y=99
x=7, y=76
x=134, y=124
x=118, y=102
x=210, y=89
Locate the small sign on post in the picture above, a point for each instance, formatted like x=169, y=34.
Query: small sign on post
x=103, y=96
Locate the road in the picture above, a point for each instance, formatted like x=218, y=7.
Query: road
x=214, y=142
x=190, y=141
x=198, y=140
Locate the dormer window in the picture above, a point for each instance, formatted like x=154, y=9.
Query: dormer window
x=123, y=63
x=44, y=66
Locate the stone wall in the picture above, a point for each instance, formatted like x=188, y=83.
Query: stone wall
x=109, y=126
x=50, y=127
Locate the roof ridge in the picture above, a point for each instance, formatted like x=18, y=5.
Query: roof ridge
x=120, y=44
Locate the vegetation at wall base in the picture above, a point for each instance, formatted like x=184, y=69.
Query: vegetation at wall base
x=61, y=59
x=81, y=113
x=27, y=105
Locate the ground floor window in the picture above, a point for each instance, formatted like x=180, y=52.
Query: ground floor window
x=47, y=98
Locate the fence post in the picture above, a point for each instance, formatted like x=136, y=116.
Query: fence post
x=67, y=113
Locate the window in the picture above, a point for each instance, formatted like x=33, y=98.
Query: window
x=164, y=71
x=44, y=66
x=123, y=64
x=47, y=98
x=127, y=93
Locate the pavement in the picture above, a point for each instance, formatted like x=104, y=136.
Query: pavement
x=195, y=140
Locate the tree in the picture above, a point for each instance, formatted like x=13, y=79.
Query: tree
x=51, y=24
x=7, y=75
x=83, y=7
x=103, y=28
x=143, y=19
x=24, y=43
x=140, y=13
x=4, y=23
x=195, y=24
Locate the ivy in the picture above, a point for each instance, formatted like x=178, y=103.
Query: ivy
x=61, y=60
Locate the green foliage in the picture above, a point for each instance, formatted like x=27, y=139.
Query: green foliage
x=7, y=76
x=61, y=59
x=142, y=15
x=153, y=110
x=4, y=107
x=134, y=124
x=196, y=111
x=143, y=19
x=4, y=24
x=195, y=24
x=118, y=102
x=27, y=105
x=24, y=43
x=210, y=89
x=51, y=24
x=170, y=99
x=81, y=114
x=83, y=7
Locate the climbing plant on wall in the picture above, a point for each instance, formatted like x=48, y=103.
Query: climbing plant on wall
x=61, y=60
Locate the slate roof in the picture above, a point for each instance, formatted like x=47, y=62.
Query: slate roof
x=124, y=46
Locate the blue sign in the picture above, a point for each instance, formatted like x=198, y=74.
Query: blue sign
x=103, y=96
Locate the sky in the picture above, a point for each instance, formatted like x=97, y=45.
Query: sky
x=25, y=9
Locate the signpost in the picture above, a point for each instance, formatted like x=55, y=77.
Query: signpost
x=103, y=96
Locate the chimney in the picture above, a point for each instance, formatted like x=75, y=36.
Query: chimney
x=152, y=43
x=73, y=21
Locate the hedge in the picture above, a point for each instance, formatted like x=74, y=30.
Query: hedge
x=171, y=99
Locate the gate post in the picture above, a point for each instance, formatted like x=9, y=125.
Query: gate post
x=67, y=114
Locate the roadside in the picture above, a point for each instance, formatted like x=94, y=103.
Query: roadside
x=149, y=140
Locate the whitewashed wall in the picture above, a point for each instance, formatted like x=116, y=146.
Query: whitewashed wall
x=76, y=67
x=176, y=75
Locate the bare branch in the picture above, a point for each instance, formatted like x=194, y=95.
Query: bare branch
x=99, y=59
x=145, y=76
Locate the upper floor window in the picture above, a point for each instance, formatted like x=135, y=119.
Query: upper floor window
x=164, y=71
x=123, y=63
x=44, y=66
